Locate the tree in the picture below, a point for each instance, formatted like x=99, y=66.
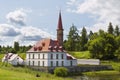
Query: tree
x=73, y=38
x=96, y=47
x=61, y=71
x=90, y=34
x=16, y=46
x=83, y=39
x=110, y=28
x=117, y=32
x=117, y=52
x=103, y=46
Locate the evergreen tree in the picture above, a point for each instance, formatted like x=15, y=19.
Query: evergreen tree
x=73, y=38
x=110, y=28
x=83, y=39
x=90, y=34
x=117, y=32
x=16, y=46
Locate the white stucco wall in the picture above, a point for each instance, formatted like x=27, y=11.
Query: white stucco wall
x=47, y=59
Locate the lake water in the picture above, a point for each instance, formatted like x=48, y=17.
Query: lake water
x=110, y=77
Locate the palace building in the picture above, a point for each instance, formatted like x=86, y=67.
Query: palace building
x=50, y=53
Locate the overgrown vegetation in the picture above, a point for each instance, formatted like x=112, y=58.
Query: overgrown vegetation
x=61, y=71
x=102, y=45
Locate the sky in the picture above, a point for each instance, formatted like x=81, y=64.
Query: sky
x=28, y=21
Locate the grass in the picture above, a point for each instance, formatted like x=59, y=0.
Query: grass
x=22, y=55
x=115, y=65
x=102, y=73
x=81, y=55
x=1, y=56
x=25, y=73
x=9, y=72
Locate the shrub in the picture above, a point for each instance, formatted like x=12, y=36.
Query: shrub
x=61, y=71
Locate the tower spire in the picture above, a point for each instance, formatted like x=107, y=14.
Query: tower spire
x=60, y=21
x=60, y=30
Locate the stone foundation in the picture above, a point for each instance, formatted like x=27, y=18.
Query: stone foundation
x=83, y=68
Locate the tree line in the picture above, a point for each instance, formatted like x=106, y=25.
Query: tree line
x=15, y=49
x=101, y=44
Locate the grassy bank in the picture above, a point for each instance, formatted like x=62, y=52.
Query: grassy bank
x=81, y=55
x=115, y=71
x=102, y=73
x=24, y=73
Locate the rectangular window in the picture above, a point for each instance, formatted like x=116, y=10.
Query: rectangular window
x=43, y=63
x=51, y=56
x=29, y=56
x=38, y=63
x=56, y=63
x=71, y=63
x=33, y=63
x=62, y=63
x=51, y=63
x=43, y=56
x=56, y=56
x=28, y=63
x=38, y=56
x=62, y=56
x=33, y=56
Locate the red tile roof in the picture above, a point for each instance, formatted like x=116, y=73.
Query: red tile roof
x=47, y=45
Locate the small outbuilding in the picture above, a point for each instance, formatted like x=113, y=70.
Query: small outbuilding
x=13, y=59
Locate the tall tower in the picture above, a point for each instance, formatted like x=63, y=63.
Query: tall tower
x=60, y=30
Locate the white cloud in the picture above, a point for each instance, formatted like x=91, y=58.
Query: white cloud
x=105, y=11
x=8, y=30
x=17, y=17
x=25, y=35
x=34, y=34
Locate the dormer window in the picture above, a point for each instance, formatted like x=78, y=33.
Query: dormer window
x=61, y=48
x=50, y=48
x=40, y=48
x=35, y=48
x=56, y=48
x=43, y=43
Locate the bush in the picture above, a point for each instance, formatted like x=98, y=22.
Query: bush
x=61, y=71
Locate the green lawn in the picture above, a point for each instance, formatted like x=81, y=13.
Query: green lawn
x=23, y=73
x=81, y=55
x=22, y=55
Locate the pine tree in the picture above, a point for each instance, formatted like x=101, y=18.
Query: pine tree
x=16, y=46
x=84, y=39
x=117, y=31
x=73, y=37
x=110, y=28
